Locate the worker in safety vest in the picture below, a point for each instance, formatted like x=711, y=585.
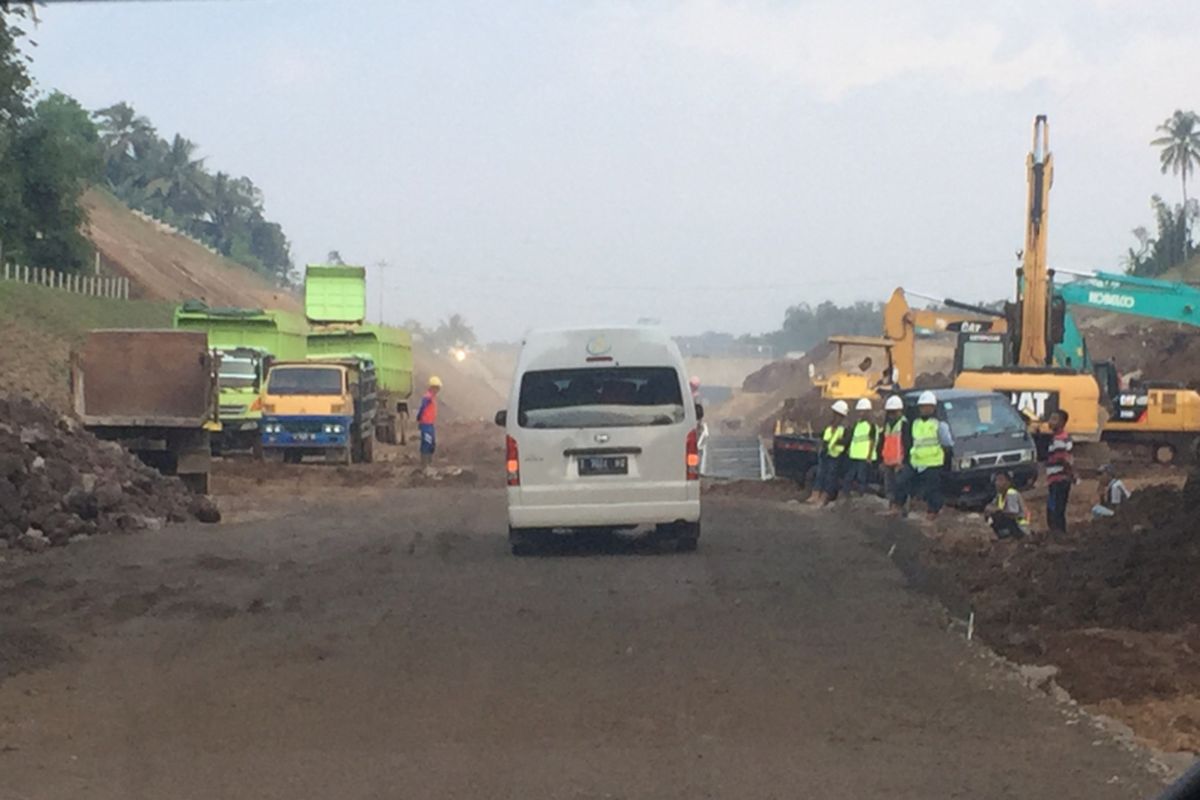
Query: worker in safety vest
x=1007, y=514
x=832, y=457
x=927, y=443
x=892, y=451
x=427, y=420
x=863, y=449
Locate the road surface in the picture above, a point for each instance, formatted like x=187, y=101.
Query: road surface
x=393, y=649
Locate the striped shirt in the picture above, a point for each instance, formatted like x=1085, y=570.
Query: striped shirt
x=1060, y=463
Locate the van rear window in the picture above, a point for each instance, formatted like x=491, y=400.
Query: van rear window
x=600, y=397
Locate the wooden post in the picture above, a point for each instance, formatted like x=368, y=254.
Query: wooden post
x=97, y=263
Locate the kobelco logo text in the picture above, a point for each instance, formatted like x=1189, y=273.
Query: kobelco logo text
x=1111, y=299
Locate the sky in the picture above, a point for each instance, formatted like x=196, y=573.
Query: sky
x=706, y=164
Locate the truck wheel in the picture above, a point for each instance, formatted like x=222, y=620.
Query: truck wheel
x=1164, y=453
x=368, y=450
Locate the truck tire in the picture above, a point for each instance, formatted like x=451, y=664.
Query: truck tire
x=367, y=454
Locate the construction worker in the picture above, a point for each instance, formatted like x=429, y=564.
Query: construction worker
x=892, y=451
x=926, y=443
x=427, y=420
x=1008, y=515
x=1060, y=472
x=864, y=443
x=1112, y=493
x=831, y=459
x=694, y=385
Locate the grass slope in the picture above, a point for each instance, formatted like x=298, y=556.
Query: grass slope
x=39, y=326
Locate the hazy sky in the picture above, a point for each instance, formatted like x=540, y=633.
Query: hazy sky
x=705, y=163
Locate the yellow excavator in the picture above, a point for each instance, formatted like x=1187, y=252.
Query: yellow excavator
x=1020, y=365
x=888, y=363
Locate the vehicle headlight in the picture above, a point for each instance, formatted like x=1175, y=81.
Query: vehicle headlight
x=965, y=463
x=328, y=428
x=338, y=429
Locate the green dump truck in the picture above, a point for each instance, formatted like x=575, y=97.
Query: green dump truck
x=246, y=342
x=335, y=303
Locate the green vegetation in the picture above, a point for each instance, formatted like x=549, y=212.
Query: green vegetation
x=48, y=153
x=32, y=307
x=51, y=149
x=169, y=181
x=805, y=326
x=1172, y=244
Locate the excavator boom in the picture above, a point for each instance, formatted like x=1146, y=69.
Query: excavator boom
x=1034, y=283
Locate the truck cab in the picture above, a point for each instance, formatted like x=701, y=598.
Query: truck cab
x=989, y=437
x=240, y=375
x=319, y=408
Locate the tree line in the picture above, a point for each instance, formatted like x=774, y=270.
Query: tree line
x=52, y=149
x=1172, y=244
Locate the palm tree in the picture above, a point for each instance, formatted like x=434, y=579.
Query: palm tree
x=181, y=185
x=127, y=137
x=1180, y=145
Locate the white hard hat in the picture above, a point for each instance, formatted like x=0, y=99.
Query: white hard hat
x=894, y=403
x=863, y=404
x=840, y=407
x=927, y=399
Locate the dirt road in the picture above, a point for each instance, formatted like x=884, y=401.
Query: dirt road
x=392, y=648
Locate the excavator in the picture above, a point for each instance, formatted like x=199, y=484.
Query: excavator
x=896, y=349
x=1044, y=364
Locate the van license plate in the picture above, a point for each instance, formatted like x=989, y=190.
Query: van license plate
x=604, y=465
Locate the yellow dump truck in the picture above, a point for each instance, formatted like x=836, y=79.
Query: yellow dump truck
x=324, y=408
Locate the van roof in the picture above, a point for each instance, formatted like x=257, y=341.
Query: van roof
x=624, y=345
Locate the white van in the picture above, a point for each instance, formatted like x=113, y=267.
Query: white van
x=601, y=434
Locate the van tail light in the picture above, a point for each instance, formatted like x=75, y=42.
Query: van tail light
x=693, y=456
x=512, y=462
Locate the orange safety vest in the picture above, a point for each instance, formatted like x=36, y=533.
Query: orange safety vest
x=427, y=413
x=893, y=443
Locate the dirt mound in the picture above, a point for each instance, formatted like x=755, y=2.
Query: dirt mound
x=1113, y=607
x=789, y=375
x=1160, y=352
x=58, y=482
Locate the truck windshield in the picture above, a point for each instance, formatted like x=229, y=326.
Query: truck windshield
x=305, y=380
x=975, y=416
x=600, y=397
x=238, y=372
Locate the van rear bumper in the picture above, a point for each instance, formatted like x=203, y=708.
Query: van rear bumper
x=601, y=514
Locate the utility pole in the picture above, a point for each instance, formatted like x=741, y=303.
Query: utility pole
x=381, y=267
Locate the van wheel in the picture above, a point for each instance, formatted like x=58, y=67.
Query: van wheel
x=523, y=541
x=688, y=538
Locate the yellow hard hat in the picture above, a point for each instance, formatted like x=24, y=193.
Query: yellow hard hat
x=435, y=381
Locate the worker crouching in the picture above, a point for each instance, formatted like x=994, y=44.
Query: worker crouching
x=1007, y=514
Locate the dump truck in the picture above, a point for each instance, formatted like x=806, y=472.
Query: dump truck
x=152, y=391
x=335, y=303
x=246, y=341
x=324, y=408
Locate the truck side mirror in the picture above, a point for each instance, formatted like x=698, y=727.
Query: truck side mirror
x=699, y=412
x=502, y=418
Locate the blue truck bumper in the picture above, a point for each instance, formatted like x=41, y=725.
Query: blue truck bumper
x=316, y=433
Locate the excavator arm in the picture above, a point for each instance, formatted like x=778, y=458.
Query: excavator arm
x=1130, y=294
x=1034, y=281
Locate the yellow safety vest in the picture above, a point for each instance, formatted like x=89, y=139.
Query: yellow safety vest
x=833, y=439
x=862, y=441
x=926, y=447
x=1022, y=520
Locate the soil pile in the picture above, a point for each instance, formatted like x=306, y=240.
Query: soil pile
x=1161, y=352
x=59, y=482
x=789, y=375
x=1113, y=607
